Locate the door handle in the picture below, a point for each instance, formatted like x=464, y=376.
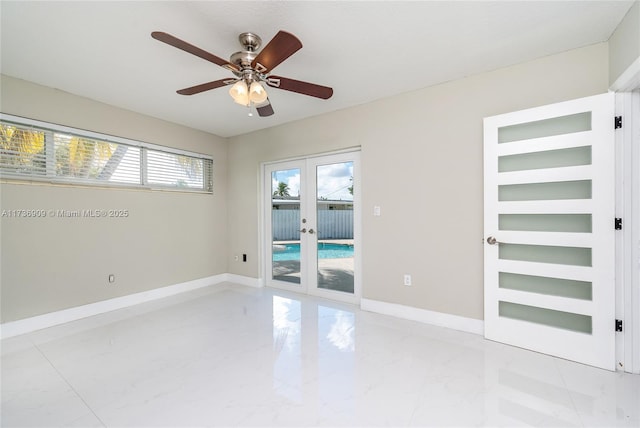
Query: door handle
x=311, y=231
x=304, y=230
x=493, y=241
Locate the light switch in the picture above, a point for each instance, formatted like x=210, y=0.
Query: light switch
x=376, y=210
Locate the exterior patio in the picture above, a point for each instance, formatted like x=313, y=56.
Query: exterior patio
x=333, y=273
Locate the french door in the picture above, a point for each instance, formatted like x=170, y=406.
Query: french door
x=549, y=208
x=312, y=226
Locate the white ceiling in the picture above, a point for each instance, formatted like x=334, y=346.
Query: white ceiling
x=364, y=50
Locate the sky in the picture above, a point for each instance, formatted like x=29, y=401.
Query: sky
x=333, y=181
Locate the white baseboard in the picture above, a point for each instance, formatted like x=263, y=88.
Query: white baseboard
x=244, y=280
x=27, y=325
x=469, y=325
x=50, y=319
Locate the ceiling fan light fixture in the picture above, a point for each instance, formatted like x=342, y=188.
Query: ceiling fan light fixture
x=257, y=93
x=240, y=93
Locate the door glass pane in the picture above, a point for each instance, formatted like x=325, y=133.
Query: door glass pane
x=574, y=256
x=545, y=191
x=544, y=285
x=285, y=225
x=334, y=209
x=574, y=156
x=545, y=222
x=566, y=320
x=545, y=128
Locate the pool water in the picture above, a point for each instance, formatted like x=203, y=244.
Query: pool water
x=325, y=251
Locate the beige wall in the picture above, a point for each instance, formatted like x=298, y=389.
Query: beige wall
x=54, y=263
x=422, y=163
x=624, y=44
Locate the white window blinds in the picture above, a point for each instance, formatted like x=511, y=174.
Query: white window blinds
x=85, y=159
x=74, y=156
x=23, y=151
x=174, y=170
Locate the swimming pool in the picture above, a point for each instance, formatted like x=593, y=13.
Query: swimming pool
x=284, y=252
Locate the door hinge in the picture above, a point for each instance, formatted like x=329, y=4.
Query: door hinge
x=617, y=122
x=618, y=325
x=618, y=223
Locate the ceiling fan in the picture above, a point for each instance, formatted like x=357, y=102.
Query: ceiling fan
x=251, y=68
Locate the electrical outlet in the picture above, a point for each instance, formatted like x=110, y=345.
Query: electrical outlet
x=112, y=278
x=407, y=279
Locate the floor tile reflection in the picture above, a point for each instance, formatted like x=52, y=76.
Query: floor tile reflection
x=237, y=356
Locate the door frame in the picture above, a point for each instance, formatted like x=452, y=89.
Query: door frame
x=627, y=90
x=628, y=241
x=265, y=239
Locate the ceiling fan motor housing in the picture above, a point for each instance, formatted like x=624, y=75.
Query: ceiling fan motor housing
x=244, y=59
x=250, y=41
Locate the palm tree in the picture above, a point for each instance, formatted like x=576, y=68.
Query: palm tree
x=282, y=190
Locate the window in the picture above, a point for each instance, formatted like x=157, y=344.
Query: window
x=40, y=151
x=85, y=159
x=23, y=151
x=173, y=170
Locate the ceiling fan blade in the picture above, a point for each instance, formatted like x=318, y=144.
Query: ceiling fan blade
x=265, y=110
x=205, y=87
x=194, y=50
x=300, y=87
x=281, y=47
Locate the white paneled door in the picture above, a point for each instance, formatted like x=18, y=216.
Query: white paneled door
x=549, y=208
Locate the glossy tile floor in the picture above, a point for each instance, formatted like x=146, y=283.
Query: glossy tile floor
x=236, y=356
